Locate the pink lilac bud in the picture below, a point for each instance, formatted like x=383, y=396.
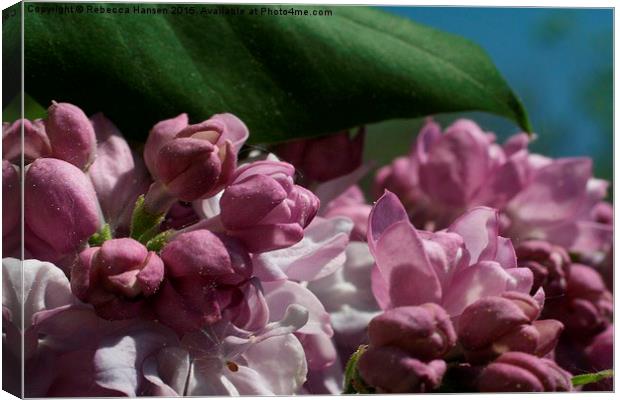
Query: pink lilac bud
x=587, y=307
x=603, y=213
x=60, y=209
x=600, y=354
x=424, y=332
x=71, y=134
x=205, y=274
x=496, y=324
x=391, y=370
x=35, y=144
x=521, y=372
x=11, y=194
x=117, y=277
x=324, y=158
x=264, y=209
x=548, y=263
x=200, y=160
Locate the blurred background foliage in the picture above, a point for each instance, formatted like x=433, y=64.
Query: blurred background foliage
x=559, y=61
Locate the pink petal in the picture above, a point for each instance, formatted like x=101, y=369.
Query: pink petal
x=387, y=211
x=479, y=228
x=403, y=262
x=555, y=194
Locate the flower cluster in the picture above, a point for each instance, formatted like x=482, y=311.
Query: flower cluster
x=190, y=270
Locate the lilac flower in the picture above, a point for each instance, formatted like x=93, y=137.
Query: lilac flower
x=521, y=372
x=315, y=335
x=496, y=324
x=66, y=134
x=548, y=263
x=320, y=253
x=587, y=306
x=424, y=332
x=36, y=143
x=60, y=209
x=117, y=174
x=224, y=360
x=205, y=274
x=264, y=208
x=117, y=278
x=447, y=174
x=452, y=268
x=71, y=135
x=600, y=356
x=351, y=204
x=347, y=295
x=194, y=161
x=324, y=158
x=539, y=198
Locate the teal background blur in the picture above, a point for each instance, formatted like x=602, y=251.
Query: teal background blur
x=559, y=61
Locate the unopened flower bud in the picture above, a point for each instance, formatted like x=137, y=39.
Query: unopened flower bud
x=324, y=158
x=424, y=332
x=60, y=209
x=204, y=273
x=548, y=263
x=587, y=306
x=390, y=370
x=71, y=135
x=264, y=208
x=35, y=144
x=496, y=324
x=117, y=277
x=521, y=372
x=600, y=354
x=200, y=160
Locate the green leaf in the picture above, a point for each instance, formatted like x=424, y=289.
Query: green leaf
x=159, y=241
x=144, y=225
x=584, y=379
x=285, y=76
x=97, y=239
x=353, y=382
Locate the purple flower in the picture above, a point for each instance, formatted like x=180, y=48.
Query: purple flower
x=447, y=174
x=548, y=263
x=496, y=324
x=195, y=161
x=205, y=274
x=391, y=370
x=60, y=209
x=521, y=372
x=539, y=198
x=452, y=268
x=324, y=158
x=264, y=208
x=117, y=277
x=559, y=205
